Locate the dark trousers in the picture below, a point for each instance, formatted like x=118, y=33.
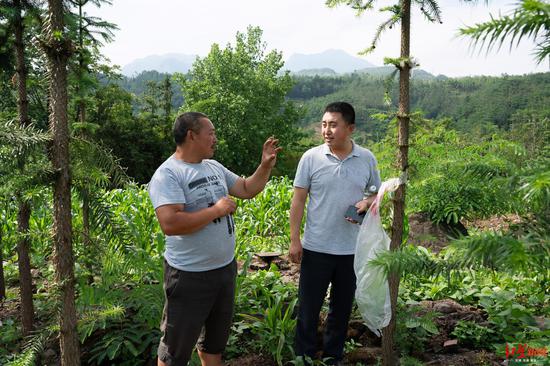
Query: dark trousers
x=316, y=272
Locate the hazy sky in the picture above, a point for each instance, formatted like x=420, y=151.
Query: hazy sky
x=149, y=27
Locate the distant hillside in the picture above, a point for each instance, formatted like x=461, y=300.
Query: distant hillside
x=168, y=63
x=417, y=74
x=471, y=103
x=312, y=72
x=337, y=60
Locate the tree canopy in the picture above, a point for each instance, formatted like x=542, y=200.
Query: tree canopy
x=225, y=86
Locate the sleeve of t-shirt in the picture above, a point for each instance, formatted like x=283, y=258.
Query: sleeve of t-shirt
x=303, y=172
x=164, y=189
x=230, y=177
x=373, y=185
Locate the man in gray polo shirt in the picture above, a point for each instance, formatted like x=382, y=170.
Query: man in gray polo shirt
x=334, y=175
x=191, y=197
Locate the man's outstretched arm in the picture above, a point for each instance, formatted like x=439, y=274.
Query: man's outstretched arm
x=251, y=186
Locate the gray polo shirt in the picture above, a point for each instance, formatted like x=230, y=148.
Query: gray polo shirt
x=333, y=186
x=196, y=186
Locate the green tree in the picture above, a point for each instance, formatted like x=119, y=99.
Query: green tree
x=240, y=89
x=136, y=140
x=531, y=19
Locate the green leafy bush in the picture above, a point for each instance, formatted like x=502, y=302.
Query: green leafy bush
x=471, y=334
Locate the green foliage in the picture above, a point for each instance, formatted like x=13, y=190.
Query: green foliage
x=140, y=143
x=240, y=89
x=351, y=345
x=262, y=223
x=512, y=320
x=98, y=320
x=33, y=347
x=410, y=361
x=21, y=138
x=126, y=346
x=453, y=178
x=536, y=190
x=275, y=328
x=531, y=19
x=471, y=334
x=490, y=250
x=473, y=105
x=413, y=328
x=264, y=310
x=10, y=335
x=137, y=85
x=124, y=333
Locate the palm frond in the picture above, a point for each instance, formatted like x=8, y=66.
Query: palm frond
x=93, y=165
x=34, y=346
x=535, y=189
x=104, y=220
x=97, y=319
x=530, y=20
x=21, y=137
x=490, y=250
x=360, y=6
x=388, y=24
x=430, y=9
x=410, y=259
x=36, y=174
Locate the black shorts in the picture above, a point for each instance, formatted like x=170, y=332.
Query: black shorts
x=198, y=306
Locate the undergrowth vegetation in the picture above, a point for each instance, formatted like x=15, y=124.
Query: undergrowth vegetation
x=503, y=274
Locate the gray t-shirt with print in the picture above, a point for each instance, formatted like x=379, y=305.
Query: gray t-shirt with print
x=333, y=186
x=196, y=186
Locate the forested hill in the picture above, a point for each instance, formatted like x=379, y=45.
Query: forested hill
x=481, y=102
x=470, y=103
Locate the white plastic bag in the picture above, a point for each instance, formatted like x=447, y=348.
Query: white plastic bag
x=373, y=291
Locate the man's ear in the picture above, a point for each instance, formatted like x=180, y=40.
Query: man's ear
x=189, y=136
x=351, y=127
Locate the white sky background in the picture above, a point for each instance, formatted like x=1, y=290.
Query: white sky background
x=149, y=27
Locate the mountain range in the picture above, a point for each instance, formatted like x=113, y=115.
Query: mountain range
x=326, y=62
x=168, y=63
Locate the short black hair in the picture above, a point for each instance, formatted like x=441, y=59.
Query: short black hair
x=347, y=111
x=185, y=122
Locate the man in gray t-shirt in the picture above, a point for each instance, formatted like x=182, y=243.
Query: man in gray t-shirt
x=334, y=176
x=191, y=197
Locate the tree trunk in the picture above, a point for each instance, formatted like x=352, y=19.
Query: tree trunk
x=167, y=100
x=24, y=214
x=58, y=51
x=21, y=69
x=2, y=280
x=389, y=353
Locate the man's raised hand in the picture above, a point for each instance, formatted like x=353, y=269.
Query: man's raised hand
x=270, y=151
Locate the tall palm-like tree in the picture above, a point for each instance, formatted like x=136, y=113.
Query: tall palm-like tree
x=14, y=13
x=58, y=48
x=400, y=13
